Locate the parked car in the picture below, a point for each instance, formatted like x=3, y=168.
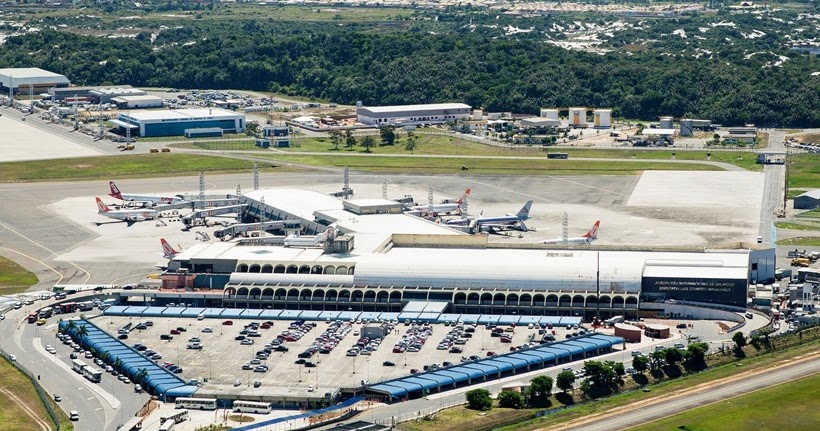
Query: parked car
x=388, y=364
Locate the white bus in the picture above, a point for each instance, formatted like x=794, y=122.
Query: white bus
x=180, y=416
x=196, y=403
x=92, y=374
x=167, y=425
x=251, y=407
x=77, y=365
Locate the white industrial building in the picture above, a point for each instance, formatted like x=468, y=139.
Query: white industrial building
x=602, y=118
x=540, y=122
x=386, y=260
x=137, y=102
x=177, y=122
x=577, y=116
x=30, y=79
x=436, y=113
x=552, y=114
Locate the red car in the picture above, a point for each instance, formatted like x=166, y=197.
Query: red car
x=490, y=353
x=174, y=332
x=228, y=322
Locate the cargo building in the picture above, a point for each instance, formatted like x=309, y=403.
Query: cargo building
x=177, y=122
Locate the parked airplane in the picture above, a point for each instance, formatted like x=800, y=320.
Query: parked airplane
x=168, y=252
x=502, y=223
x=587, y=238
x=152, y=199
x=444, y=208
x=129, y=216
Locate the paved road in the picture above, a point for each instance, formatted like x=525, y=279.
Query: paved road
x=774, y=190
x=102, y=406
x=703, y=397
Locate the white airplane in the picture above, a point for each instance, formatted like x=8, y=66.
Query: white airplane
x=152, y=199
x=445, y=208
x=168, y=252
x=129, y=216
x=500, y=223
x=588, y=237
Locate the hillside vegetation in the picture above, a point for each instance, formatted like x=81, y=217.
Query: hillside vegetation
x=733, y=68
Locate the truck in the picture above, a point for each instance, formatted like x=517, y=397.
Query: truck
x=46, y=312
x=801, y=262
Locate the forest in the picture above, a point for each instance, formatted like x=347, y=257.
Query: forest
x=425, y=60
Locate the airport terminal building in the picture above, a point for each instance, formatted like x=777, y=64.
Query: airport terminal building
x=377, y=261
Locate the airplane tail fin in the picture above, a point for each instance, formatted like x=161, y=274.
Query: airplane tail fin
x=593, y=233
x=524, y=213
x=167, y=250
x=101, y=206
x=463, y=197
x=115, y=191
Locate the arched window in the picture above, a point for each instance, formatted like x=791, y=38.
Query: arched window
x=267, y=269
x=254, y=268
x=316, y=270
x=280, y=269
x=330, y=270
x=242, y=268
x=292, y=269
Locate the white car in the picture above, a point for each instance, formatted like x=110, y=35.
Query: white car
x=207, y=330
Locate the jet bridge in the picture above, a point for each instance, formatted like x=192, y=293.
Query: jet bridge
x=191, y=219
x=236, y=229
x=198, y=204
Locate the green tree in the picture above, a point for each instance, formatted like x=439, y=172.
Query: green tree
x=602, y=379
x=672, y=356
x=388, y=134
x=695, y=356
x=368, y=142
x=252, y=128
x=541, y=387
x=336, y=138
x=640, y=363
x=82, y=331
x=565, y=380
x=412, y=142
x=479, y=399
x=739, y=339
x=350, y=140
x=118, y=364
x=510, y=399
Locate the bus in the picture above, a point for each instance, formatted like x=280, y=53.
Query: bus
x=180, y=416
x=46, y=312
x=92, y=374
x=32, y=317
x=167, y=425
x=77, y=365
x=251, y=407
x=557, y=155
x=196, y=403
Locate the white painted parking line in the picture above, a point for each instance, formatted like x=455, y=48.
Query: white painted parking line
x=90, y=398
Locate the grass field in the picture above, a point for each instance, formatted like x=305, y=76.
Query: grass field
x=12, y=417
x=131, y=166
x=810, y=214
x=14, y=278
x=809, y=241
x=804, y=171
x=789, y=406
x=245, y=145
x=448, y=145
x=795, y=226
x=453, y=165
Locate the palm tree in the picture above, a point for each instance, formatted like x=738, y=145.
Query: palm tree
x=141, y=375
x=71, y=325
x=82, y=331
x=118, y=364
x=105, y=355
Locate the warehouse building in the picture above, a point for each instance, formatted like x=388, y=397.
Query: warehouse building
x=137, y=102
x=177, y=122
x=107, y=94
x=402, y=115
x=390, y=265
x=30, y=79
x=808, y=201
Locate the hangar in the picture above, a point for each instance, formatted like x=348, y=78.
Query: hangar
x=23, y=80
x=398, y=259
x=435, y=113
x=808, y=201
x=177, y=122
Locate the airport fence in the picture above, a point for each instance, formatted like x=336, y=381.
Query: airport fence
x=44, y=397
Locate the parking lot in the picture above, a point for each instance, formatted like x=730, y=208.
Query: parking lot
x=220, y=360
